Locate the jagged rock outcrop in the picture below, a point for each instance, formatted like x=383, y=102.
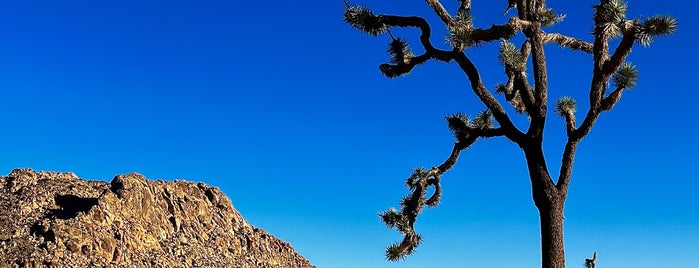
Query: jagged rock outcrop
x=50, y=219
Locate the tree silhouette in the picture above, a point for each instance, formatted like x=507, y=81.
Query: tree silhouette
x=532, y=17
x=590, y=263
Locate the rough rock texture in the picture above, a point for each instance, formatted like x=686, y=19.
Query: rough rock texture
x=50, y=219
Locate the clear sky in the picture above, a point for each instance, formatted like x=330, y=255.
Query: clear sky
x=282, y=106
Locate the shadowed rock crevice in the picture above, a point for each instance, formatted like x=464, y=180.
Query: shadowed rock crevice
x=117, y=186
x=71, y=205
x=39, y=230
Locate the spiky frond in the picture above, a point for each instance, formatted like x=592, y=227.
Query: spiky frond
x=460, y=34
x=414, y=177
x=407, y=247
x=655, y=26
x=459, y=124
x=464, y=17
x=608, y=15
x=460, y=37
x=483, y=120
x=608, y=30
x=412, y=201
x=613, y=11
x=364, y=19
x=548, y=17
x=510, y=57
x=394, y=252
x=643, y=38
x=399, y=51
x=660, y=25
x=501, y=88
x=626, y=76
x=565, y=106
x=392, y=218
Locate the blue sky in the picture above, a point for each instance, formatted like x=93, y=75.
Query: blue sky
x=282, y=106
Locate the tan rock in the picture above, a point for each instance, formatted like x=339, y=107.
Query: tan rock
x=58, y=220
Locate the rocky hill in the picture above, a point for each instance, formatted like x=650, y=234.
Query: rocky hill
x=50, y=219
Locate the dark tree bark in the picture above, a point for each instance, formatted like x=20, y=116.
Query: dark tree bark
x=549, y=201
x=552, y=235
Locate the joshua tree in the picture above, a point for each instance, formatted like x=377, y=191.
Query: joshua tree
x=590, y=263
x=531, y=19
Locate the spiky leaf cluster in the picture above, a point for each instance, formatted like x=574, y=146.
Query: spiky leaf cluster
x=501, y=88
x=626, y=76
x=411, y=206
x=412, y=180
x=459, y=124
x=460, y=33
x=565, y=106
x=548, y=17
x=392, y=218
x=398, y=251
x=364, y=19
x=414, y=201
x=608, y=30
x=399, y=51
x=513, y=98
x=511, y=58
x=609, y=14
x=611, y=11
x=655, y=26
x=464, y=16
x=483, y=120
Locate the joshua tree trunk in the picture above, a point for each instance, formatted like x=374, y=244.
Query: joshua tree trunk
x=552, y=252
x=549, y=201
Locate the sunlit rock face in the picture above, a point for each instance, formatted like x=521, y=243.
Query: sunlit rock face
x=50, y=219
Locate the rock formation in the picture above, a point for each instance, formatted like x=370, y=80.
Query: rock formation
x=50, y=219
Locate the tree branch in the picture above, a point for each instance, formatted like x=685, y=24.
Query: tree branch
x=394, y=70
x=451, y=160
x=511, y=131
x=415, y=202
x=517, y=91
x=523, y=8
x=611, y=100
x=538, y=115
x=521, y=82
x=416, y=22
x=566, y=167
x=489, y=132
x=586, y=126
x=442, y=13
x=512, y=95
x=465, y=6
x=623, y=50
x=521, y=86
x=570, y=123
x=497, y=32
x=567, y=42
x=605, y=66
x=590, y=263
